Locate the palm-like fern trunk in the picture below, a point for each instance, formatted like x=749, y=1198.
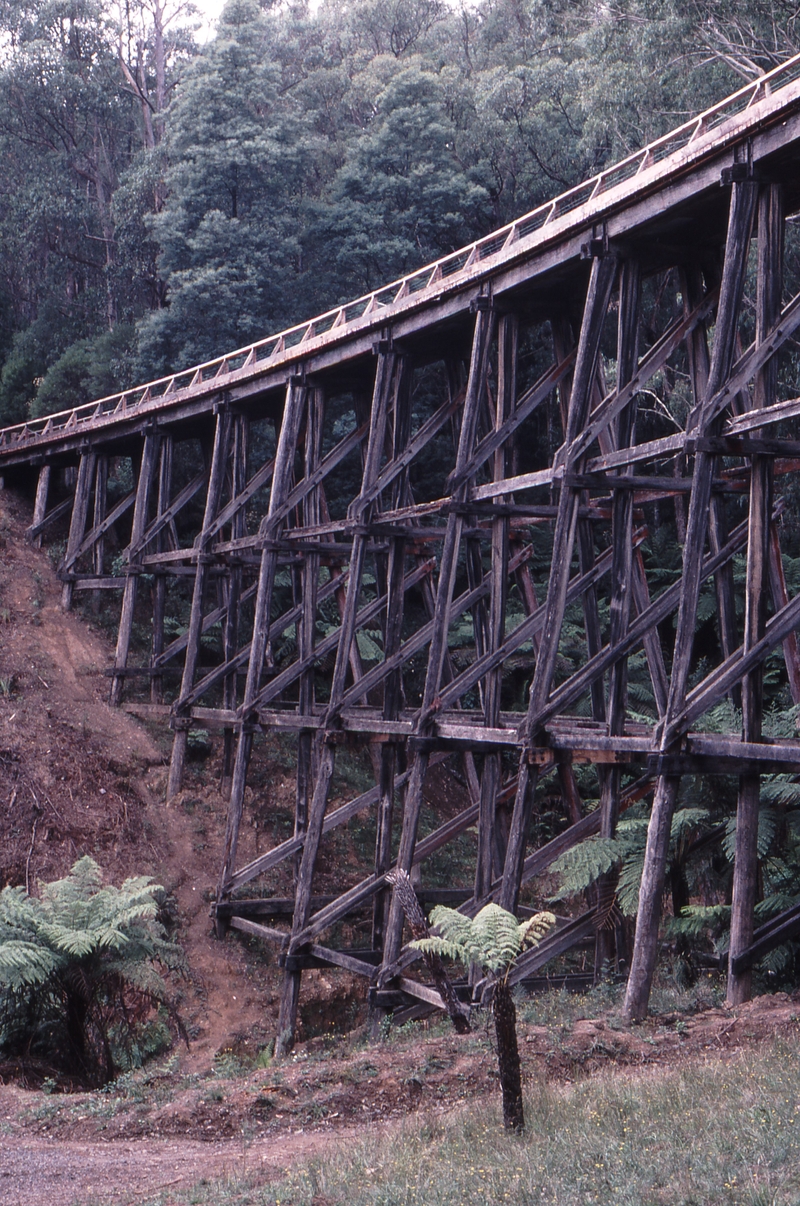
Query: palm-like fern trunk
x=505, y=1026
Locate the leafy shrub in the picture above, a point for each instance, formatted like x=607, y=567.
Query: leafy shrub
x=81, y=991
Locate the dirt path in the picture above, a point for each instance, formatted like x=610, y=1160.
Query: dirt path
x=38, y=1171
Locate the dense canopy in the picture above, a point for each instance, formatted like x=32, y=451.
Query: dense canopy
x=163, y=200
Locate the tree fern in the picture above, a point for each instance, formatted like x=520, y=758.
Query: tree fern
x=493, y=939
x=579, y=868
x=696, y=921
x=79, y=972
x=767, y=827
x=782, y=791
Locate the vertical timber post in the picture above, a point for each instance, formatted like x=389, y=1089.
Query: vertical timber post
x=100, y=506
x=491, y=777
x=393, y=622
x=745, y=868
x=306, y=627
x=601, y=282
x=269, y=532
x=645, y=951
x=160, y=578
x=150, y=450
x=622, y=576
x=40, y=505
x=216, y=481
x=77, y=525
x=476, y=385
x=233, y=592
x=358, y=514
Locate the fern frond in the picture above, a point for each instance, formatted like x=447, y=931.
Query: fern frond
x=782, y=791
x=496, y=934
x=532, y=931
x=452, y=925
x=630, y=878
x=696, y=920
x=767, y=827
x=23, y=964
x=579, y=867
x=67, y=940
x=443, y=947
x=780, y=959
x=492, y=939
x=685, y=820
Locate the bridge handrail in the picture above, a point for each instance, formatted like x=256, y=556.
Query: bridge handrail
x=446, y=269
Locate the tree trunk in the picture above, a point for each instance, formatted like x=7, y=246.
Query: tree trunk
x=505, y=1026
x=401, y=881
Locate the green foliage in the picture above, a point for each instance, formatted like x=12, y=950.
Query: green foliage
x=779, y=859
x=298, y=157
x=80, y=986
x=579, y=867
x=493, y=938
x=90, y=368
x=767, y=828
x=582, y=865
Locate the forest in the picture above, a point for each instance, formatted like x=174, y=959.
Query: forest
x=165, y=200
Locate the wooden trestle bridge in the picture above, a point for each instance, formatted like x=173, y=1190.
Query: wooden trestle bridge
x=409, y=458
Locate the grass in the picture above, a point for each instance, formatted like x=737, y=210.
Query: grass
x=719, y=1134
x=558, y=1007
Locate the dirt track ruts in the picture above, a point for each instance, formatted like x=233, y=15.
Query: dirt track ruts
x=45, y=1172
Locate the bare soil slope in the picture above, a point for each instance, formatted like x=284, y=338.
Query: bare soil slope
x=78, y=777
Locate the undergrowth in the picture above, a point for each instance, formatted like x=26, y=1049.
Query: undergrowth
x=722, y=1134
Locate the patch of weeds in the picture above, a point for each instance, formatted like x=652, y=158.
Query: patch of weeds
x=230, y=1066
x=550, y=1008
x=558, y=1007
x=46, y=1110
x=265, y=1103
x=434, y=1063
x=8, y=685
x=56, y=552
x=264, y=1057
x=358, y=1072
x=670, y=996
x=199, y=744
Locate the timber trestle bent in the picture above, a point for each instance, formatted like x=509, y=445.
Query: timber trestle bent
x=424, y=525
